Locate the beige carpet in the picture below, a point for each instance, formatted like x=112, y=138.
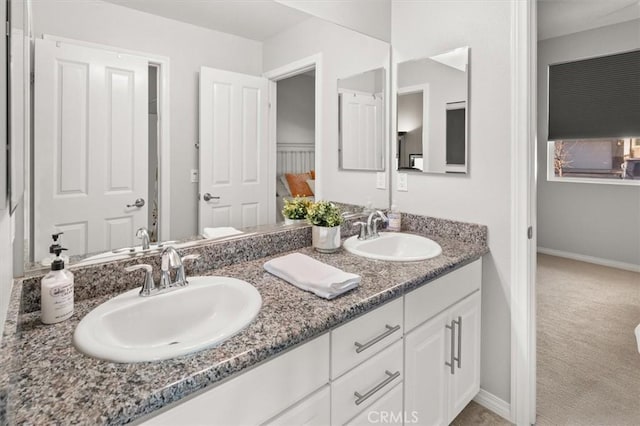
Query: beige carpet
x=588, y=360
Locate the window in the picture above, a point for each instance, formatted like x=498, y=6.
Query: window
x=608, y=160
x=594, y=120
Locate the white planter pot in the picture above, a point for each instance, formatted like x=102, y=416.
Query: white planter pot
x=288, y=221
x=325, y=239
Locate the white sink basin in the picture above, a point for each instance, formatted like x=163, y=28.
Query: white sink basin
x=131, y=328
x=394, y=246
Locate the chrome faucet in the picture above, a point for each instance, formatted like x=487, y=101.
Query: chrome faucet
x=143, y=234
x=372, y=223
x=171, y=261
x=369, y=229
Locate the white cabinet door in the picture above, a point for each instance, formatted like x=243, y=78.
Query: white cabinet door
x=427, y=348
x=465, y=382
x=234, y=154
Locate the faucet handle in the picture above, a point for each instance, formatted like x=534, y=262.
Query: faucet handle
x=363, y=230
x=149, y=285
x=374, y=229
x=191, y=257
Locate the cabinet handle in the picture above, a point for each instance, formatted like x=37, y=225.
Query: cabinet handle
x=459, y=357
x=452, y=358
x=363, y=346
x=390, y=377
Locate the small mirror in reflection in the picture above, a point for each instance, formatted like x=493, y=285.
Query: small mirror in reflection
x=361, y=121
x=432, y=113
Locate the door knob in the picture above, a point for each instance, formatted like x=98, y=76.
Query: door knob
x=138, y=203
x=209, y=197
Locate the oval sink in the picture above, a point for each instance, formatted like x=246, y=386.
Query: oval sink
x=395, y=247
x=131, y=328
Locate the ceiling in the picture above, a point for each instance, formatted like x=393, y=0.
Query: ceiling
x=253, y=19
x=561, y=17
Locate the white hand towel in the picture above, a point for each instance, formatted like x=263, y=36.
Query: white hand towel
x=311, y=275
x=219, y=232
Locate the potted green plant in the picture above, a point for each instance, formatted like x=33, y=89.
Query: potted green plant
x=295, y=210
x=325, y=218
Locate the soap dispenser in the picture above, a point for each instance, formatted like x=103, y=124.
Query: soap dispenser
x=52, y=249
x=56, y=292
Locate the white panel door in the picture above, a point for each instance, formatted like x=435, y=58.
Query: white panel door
x=90, y=147
x=427, y=348
x=233, y=149
x=465, y=383
x=362, y=127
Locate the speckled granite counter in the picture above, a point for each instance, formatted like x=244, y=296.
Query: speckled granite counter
x=47, y=381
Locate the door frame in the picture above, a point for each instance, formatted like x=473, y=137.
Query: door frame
x=289, y=70
x=523, y=211
x=164, y=119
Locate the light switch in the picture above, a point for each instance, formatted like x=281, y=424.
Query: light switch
x=402, y=182
x=195, y=176
x=381, y=180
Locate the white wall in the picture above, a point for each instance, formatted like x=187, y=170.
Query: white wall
x=421, y=29
x=601, y=221
x=371, y=17
x=344, y=53
x=188, y=48
x=296, y=110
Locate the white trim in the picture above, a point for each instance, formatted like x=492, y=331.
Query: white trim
x=523, y=262
x=164, y=118
x=294, y=68
x=493, y=403
x=591, y=259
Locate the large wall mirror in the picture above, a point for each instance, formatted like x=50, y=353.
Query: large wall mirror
x=362, y=121
x=433, y=113
x=184, y=118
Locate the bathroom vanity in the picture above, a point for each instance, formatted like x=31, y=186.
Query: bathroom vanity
x=405, y=343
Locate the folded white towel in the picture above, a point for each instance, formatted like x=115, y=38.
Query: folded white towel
x=311, y=275
x=219, y=232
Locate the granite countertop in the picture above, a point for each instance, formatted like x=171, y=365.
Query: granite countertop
x=50, y=382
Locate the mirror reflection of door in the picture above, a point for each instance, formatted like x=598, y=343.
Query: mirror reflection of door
x=90, y=147
x=234, y=128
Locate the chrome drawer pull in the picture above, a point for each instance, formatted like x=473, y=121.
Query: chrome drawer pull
x=459, y=357
x=452, y=356
x=390, y=377
x=390, y=330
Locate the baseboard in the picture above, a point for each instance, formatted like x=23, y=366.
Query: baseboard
x=591, y=259
x=493, y=403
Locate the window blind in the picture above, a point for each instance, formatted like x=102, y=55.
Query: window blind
x=595, y=98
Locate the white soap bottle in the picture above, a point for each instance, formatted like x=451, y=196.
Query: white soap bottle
x=395, y=219
x=56, y=292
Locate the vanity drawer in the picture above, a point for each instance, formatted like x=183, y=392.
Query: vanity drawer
x=371, y=380
x=363, y=337
x=434, y=297
x=386, y=411
x=314, y=410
